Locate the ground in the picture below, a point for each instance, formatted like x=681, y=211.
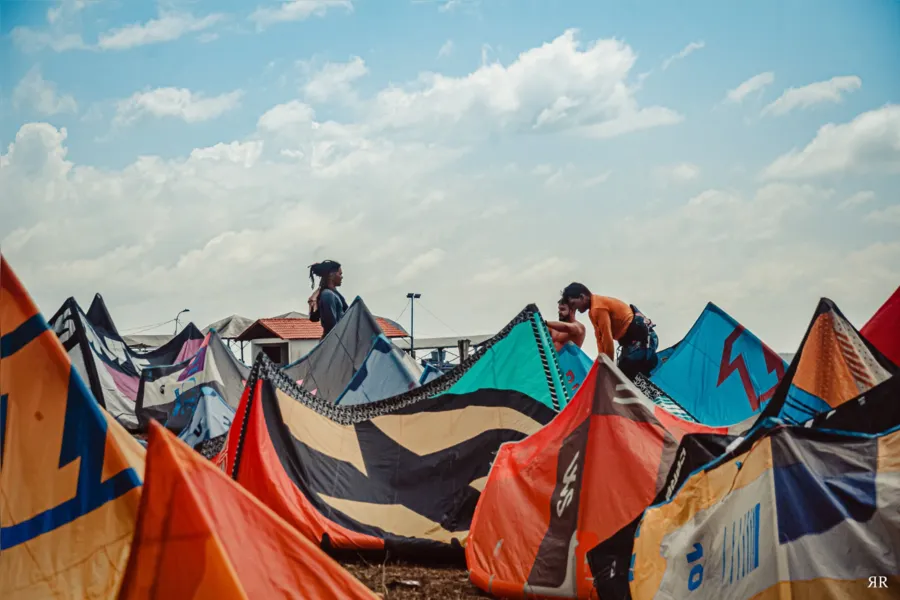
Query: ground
x=403, y=581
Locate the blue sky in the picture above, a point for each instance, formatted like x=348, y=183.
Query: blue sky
x=641, y=166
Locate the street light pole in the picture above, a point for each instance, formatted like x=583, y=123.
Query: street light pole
x=176, y=319
x=412, y=322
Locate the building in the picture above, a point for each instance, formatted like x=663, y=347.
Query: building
x=286, y=340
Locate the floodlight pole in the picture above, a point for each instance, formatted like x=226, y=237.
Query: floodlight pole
x=176, y=319
x=412, y=316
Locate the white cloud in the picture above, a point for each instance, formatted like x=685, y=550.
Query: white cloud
x=166, y=28
x=685, y=52
x=885, y=216
x=35, y=93
x=387, y=194
x=857, y=199
x=334, y=81
x=285, y=117
x=176, y=102
x=295, y=10
x=679, y=173
x=246, y=154
x=754, y=84
x=66, y=9
x=30, y=40
x=420, y=264
x=596, y=180
x=446, y=49
x=557, y=86
x=870, y=143
x=814, y=93
x=451, y=5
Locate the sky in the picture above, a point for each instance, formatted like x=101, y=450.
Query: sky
x=201, y=154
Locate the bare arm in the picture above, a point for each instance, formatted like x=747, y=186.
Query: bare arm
x=570, y=328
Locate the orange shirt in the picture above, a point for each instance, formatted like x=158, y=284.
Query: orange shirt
x=611, y=318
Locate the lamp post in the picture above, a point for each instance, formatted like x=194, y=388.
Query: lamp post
x=176, y=319
x=412, y=315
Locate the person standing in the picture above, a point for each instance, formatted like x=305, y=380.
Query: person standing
x=327, y=305
x=614, y=320
x=567, y=329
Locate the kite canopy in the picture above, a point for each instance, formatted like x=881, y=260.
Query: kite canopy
x=110, y=368
x=383, y=374
x=556, y=494
x=171, y=394
x=199, y=535
x=329, y=368
x=403, y=473
x=883, y=329
x=70, y=475
x=575, y=365
x=833, y=365
x=791, y=512
x=720, y=373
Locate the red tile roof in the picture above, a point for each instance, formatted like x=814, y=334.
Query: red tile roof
x=304, y=329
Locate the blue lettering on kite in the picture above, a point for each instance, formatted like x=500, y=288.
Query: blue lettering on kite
x=740, y=548
x=696, y=576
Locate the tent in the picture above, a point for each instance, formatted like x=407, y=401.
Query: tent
x=575, y=365
x=833, y=364
x=404, y=473
x=384, y=373
x=171, y=393
x=70, y=475
x=110, y=368
x=556, y=494
x=790, y=512
x=720, y=373
x=201, y=536
x=883, y=329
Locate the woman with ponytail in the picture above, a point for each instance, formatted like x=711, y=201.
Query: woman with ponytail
x=326, y=304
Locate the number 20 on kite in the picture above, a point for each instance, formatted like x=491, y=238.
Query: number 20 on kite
x=696, y=576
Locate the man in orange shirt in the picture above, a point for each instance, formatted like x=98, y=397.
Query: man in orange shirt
x=567, y=329
x=614, y=320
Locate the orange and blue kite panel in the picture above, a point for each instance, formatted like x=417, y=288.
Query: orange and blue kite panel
x=70, y=475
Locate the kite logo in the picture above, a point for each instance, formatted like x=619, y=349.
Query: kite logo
x=676, y=473
x=568, y=493
x=729, y=366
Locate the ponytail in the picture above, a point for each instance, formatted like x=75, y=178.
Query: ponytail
x=322, y=270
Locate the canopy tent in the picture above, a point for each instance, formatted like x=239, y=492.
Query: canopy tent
x=201, y=536
x=70, y=475
x=230, y=327
x=402, y=473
